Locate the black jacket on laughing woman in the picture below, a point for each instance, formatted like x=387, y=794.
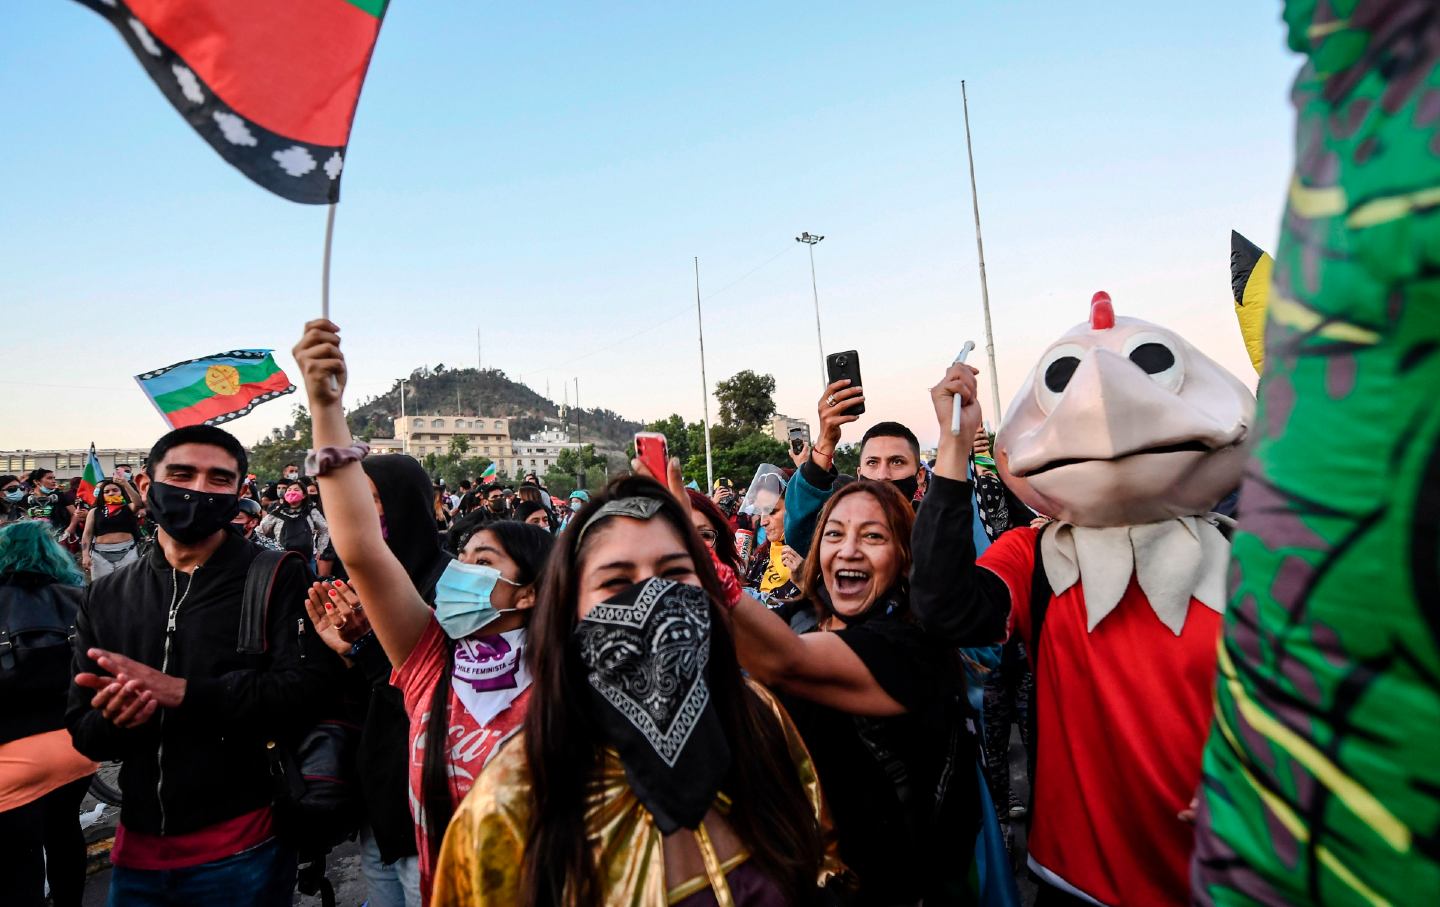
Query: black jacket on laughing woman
x=878, y=702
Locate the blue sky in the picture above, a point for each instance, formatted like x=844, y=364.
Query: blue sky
x=548, y=172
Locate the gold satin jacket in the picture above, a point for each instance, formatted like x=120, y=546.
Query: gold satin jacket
x=481, y=858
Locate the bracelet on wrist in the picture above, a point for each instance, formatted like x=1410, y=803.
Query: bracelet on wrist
x=323, y=460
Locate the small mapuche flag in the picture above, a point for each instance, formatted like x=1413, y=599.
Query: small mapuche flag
x=271, y=84
x=216, y=388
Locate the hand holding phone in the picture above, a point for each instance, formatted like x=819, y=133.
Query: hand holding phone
x=845, y=366
x=653, y=450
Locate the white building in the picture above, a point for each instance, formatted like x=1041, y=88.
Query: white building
x=539, y=453
x=780, y=427
x=488, y=436
x=70, y=463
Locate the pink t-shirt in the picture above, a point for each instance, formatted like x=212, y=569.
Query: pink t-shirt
x=471, y=745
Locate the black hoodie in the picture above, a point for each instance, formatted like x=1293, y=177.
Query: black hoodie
x=406, y=494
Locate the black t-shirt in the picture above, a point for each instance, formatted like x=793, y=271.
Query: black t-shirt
x=52, y=505
x=901, y=789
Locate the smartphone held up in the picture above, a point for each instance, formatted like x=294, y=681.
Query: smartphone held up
x=654, y=451
x=845, y=365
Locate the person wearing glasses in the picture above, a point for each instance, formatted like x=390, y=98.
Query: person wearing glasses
x=714, y=528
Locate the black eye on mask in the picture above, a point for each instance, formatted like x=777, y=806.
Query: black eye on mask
x=1154, y=358
x=1059, y=373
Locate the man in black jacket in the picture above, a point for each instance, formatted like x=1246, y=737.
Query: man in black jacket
x=159, y=684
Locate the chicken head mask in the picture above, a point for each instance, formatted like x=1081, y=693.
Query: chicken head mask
x=1123, y=422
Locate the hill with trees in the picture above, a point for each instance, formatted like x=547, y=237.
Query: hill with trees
x=740, y=442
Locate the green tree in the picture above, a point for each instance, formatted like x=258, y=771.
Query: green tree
x=747, y=400
x=847, y=459
x=737, y=457
x=573, y=460
x=285, y=445
x=677, y=436
x=459, y=446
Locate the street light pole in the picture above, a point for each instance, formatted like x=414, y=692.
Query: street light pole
x=810, y=239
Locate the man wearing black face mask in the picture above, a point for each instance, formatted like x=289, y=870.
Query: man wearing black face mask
x=889, y=452
x=160, y=685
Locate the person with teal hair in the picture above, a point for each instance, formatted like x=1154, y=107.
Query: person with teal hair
x=42, y=777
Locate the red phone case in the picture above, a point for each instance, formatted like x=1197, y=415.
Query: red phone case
x=653, y=450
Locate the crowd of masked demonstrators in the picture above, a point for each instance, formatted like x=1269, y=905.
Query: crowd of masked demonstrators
x=797, y=688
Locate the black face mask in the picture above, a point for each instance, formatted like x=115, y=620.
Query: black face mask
x=908, y=486
x=190, y=516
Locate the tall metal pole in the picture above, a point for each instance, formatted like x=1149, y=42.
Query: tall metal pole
x=580, y=451
x=479, y=351
x=996, y=413
x=704, y=385
x=810, y=239
x=404, y=423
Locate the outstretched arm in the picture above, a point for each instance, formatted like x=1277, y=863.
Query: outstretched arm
x=396, y=611
x=820, y=667
x=961, y=603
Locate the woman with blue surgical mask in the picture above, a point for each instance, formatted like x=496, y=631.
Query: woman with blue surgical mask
x=460, y=666
x=12, y=495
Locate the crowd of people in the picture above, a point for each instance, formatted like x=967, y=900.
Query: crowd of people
x=797, y=689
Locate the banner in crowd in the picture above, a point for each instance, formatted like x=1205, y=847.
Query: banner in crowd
x=271, y=84
x=1250, y=268
x=91, y=478
x=216, y=388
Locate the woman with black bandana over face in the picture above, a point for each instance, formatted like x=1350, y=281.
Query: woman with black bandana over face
x=648, y=772
x=458, y=659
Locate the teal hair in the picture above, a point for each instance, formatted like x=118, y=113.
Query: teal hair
x=28, y=547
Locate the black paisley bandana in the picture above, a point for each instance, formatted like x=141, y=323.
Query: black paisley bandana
x=648, y=651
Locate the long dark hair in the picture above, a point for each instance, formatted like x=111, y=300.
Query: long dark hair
x=770, y=812
x=528, y=546
x=900, y=517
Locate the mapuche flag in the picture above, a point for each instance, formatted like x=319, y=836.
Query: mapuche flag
x=91, y=478
x=271, y=84
x=214, y=389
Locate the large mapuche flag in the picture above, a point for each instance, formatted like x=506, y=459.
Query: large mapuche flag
x=271, y=84
x=216, y=388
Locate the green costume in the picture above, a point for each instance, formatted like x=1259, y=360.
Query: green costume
x=1322, y=771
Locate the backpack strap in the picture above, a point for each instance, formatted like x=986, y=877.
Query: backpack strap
x=255, y=604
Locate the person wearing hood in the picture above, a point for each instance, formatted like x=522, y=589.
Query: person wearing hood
x=389, y=858
x=459, y=661
x=296, y=524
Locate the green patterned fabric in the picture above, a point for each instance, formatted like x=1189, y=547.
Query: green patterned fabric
x=1322, y=772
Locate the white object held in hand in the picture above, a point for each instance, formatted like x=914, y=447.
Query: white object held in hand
x=955, y=413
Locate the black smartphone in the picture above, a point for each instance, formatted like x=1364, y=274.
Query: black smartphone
x=799, y=437
x=845, y=365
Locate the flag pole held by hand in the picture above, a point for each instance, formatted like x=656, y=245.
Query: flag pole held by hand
x=955, y=413
x=325, y=279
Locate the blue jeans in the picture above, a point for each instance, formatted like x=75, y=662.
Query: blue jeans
x=262, y=876
x=389, y=884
